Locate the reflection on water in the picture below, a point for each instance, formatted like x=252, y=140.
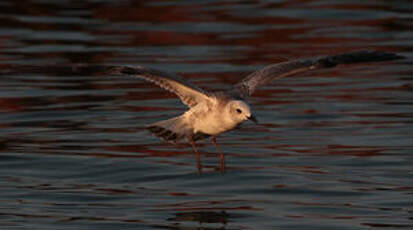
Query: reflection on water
x=332, y=150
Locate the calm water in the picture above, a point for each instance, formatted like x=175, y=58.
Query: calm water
x=333, y=149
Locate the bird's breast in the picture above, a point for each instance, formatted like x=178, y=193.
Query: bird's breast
x=213, y=124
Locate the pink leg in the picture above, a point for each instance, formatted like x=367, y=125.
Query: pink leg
x=221, y=156
x=198, y=156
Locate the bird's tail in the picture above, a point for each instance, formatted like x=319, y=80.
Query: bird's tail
x=358, y=57
x=172, y=129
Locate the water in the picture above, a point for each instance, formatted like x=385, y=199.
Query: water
x=333, y=149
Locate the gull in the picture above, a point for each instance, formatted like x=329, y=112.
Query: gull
x=213, y=113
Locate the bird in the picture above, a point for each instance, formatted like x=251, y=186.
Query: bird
x=210, y=114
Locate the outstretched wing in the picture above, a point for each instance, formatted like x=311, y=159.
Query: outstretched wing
x=189, y=94
x=248, y=85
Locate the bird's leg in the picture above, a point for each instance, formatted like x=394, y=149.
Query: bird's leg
x=221, y=156
x=198, y=156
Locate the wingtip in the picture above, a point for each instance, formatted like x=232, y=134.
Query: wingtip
x=359, y=57
x=386, y=56
x=377, y=55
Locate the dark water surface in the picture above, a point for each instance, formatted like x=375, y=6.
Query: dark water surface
x=333, y=149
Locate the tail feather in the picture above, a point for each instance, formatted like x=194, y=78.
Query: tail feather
x=172, y=129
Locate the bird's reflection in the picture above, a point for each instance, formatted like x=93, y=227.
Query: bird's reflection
x=201, y=217
x=222, y=165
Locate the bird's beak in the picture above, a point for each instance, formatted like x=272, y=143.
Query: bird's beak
x=252, y=118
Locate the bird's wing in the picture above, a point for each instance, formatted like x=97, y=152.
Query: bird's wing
x=249, y=84
x=189, y=94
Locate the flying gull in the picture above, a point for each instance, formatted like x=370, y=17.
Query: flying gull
x=211, y=114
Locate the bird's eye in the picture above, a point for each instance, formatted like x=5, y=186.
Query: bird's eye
x=239, y=111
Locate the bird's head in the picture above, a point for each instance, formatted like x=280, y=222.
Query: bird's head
x=240, y=111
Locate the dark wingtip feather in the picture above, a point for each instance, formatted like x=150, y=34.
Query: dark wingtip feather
x=359, y=57
x=371, y=55
x=123, y=70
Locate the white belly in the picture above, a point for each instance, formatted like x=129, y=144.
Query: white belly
x=213, y=124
